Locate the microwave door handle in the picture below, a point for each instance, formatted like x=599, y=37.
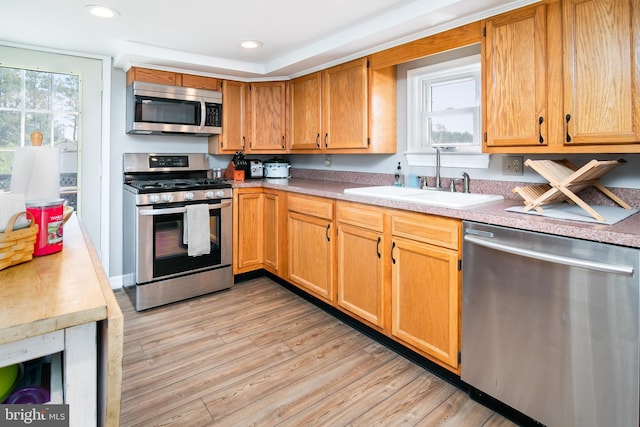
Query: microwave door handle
x=152, y=212
x=203, y=112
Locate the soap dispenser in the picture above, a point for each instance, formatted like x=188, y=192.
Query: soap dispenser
x=398, y=177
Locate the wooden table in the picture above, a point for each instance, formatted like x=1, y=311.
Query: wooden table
x=56, y=303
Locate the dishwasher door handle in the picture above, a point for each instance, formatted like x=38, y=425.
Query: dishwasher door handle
x=556, y=259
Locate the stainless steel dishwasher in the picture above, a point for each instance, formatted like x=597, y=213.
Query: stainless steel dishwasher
x=550, y=325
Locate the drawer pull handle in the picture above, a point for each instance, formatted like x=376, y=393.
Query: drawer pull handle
x=568, y=117
x=328, y=228
x=378, y=247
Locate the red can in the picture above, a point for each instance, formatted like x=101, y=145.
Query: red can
x=48, y=215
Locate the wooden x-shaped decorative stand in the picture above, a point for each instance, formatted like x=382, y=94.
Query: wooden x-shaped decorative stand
x=565, y=180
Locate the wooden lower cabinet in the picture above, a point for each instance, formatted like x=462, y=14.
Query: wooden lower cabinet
x=362, y=262
x=258, y=230
x=310, y=240
x=272, y=205
x=426, y=284
x=249, y=236
x=425, y=298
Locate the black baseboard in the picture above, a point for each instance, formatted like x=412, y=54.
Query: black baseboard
x=444, y=374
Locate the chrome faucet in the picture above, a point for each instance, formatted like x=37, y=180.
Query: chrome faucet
x=437, y=185
x=465, y=177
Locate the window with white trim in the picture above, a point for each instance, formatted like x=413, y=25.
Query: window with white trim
x=444, y=107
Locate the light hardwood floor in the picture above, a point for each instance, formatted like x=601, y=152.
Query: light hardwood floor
x=258, y=354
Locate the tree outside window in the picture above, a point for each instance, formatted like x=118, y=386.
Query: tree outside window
x=33, y=100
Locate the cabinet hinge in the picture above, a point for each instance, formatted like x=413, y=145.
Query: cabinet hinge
x=368, y=142
x=367, y=63
x=459, y=265
x=459, y=357
x=485, y=137
x=484, y=31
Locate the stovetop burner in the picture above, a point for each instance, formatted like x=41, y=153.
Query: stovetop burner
x=163, y=185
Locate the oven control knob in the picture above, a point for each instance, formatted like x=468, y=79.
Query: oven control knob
x=219, y=193
x=154, y=198
x=189, y=196
x=166, y=197
x=209, y=194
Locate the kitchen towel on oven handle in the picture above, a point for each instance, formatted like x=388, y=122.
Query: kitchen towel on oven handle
x=196, y=230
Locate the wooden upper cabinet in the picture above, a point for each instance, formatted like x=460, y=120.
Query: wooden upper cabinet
x=153, y=76
x=514, y=76
x=306, y=112
x=234, y=118
x=268, y=116
x=173, y=79
x=345, y=100
x=344, y=109
x=573, y=63
x=201, y=82
x=601, y=71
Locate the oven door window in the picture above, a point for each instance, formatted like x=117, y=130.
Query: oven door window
x=170, y=254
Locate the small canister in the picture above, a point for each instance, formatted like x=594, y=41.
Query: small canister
x=48, y=215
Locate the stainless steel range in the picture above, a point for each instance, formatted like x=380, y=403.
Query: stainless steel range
x=170, y=203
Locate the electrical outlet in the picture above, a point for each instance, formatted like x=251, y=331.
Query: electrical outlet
x=512, y=165
x=327, y=160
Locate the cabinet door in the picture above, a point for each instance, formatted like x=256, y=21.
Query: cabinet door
x=601, y=71
x=272, y=231
x=425, y=298
x=233, y=137
x=345, y=106
x=306, y=112
x=249, y=247
x=201, y=82
x=268, y=116
x=310, y=255
x=360, y=273
x=152, y=76
x=514, y=71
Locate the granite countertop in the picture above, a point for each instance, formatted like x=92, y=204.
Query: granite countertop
x=51, y=292
x=624, y=233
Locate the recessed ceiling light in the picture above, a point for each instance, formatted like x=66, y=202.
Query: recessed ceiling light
x=102, y=11
x=250, y=44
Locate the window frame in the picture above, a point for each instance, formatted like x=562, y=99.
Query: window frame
x=448, y=71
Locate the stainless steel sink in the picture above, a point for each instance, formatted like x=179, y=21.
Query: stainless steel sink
x=428, y=197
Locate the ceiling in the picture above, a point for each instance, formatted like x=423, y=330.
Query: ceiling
x=203, y=36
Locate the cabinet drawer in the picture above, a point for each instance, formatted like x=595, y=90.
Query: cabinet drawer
x=360, y=216
x=314, y=206
x=430, y=229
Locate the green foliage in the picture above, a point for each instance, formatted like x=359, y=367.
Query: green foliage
x=33, y=100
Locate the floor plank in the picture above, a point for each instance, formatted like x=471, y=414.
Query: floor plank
x=258, y=354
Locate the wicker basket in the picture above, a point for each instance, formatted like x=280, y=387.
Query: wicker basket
x=16, y=246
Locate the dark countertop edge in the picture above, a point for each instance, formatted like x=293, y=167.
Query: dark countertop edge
x=623, y=233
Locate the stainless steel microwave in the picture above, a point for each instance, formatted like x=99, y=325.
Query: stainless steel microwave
x=155, y=109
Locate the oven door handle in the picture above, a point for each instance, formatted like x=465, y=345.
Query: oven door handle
x=183, y=209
